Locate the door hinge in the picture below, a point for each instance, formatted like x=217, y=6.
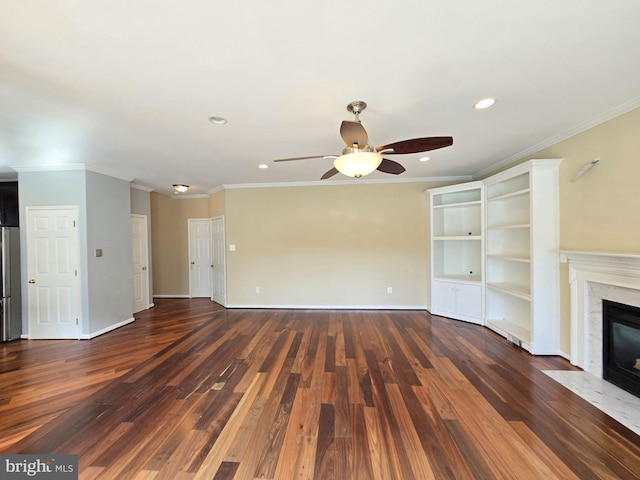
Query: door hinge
x=76, y=321
x=74, y=223
x=76, y=272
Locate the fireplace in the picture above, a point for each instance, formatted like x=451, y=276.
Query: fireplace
x=621, y=345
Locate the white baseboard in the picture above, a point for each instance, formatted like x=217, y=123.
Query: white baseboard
x=89, y=336
x=171, y=296
x=331, y=307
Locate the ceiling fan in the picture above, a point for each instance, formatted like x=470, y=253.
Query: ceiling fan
x=358, y=158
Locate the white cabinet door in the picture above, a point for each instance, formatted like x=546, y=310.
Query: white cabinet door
x=462, y=301
x=469, y=301
x=443, y=298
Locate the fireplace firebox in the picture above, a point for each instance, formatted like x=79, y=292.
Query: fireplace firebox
x=621, y=345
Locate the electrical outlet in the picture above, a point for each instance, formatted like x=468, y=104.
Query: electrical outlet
x=257, y=289
x=389, y=290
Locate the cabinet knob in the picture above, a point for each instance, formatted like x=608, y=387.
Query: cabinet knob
x=193, y=263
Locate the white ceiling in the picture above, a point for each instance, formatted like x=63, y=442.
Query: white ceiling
x=127, y=86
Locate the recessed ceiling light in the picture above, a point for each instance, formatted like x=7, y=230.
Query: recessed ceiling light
x=484, y=103
x=263, y=166
x=425, y=159
x=218, y=120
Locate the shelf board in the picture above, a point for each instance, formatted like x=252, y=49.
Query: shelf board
x=506, y=227
x=511, y=258
x=517, y=193
x=511, y=289
x=458, y=237
x=505, y=326
x=474, y=279
x=455, y=205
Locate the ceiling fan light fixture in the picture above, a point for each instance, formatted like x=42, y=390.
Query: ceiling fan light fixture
x=180, y=188
x=357, y=164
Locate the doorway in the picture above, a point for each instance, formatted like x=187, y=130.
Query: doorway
x=219, y=274
x=53, y=272
x=140, y=262
x=200, y=261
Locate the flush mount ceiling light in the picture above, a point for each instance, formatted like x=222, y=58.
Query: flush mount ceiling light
x=425, y=159
x=180, y=188
x=217, y=120
x=263, y=166
x=484, y=103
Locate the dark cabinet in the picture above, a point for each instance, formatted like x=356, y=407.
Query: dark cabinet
x=9, y=213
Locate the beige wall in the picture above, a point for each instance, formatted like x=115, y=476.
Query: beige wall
x=328, y=245
x=344, y=245
x=217, y=203
x=600, y=211
x=169, y=237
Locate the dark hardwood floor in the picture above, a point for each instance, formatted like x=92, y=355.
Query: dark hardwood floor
x=191, y=390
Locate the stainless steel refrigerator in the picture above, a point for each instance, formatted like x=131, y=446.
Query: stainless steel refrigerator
x=11, y=307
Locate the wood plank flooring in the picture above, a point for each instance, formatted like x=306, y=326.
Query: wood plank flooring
x=193, y=391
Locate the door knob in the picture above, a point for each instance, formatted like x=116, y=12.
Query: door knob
x=32, y=281
x=211, y=266
x=193, y=263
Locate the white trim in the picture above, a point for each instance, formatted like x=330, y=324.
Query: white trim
x=217, y=189
x=575, y=130
x=355, y=181
x=89, y=336
x=171, y=296
x=187, y=197
x=141, y=187
x=330, y=307
x=72, y=167
x=150, y=305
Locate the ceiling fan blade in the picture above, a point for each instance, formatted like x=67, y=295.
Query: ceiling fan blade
x=353, y=132
x=416, y=145
x=390, y=166
x=329, y=174
x=304, y=158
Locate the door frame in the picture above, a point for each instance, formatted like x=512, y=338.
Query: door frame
x=145, y=262
x=76, y=299
x=223, y=298
x=190, y=222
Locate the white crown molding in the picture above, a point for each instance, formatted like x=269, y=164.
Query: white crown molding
x=72, y=167
x=321, y=183
x=141, y=187
x=188, y=197
x=579, y=128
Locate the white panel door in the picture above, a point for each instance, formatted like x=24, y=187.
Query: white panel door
x=200, y=257
x=219, y=293
x=53, y=263
x=140, y=262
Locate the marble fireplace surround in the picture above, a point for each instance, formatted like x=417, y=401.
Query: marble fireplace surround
x=594, y=276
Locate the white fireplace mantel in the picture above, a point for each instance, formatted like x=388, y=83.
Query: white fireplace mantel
x=610, y=269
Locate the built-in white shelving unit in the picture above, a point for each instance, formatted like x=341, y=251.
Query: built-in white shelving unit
x=494, y=254
x=522, y=264
x=457, y=214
